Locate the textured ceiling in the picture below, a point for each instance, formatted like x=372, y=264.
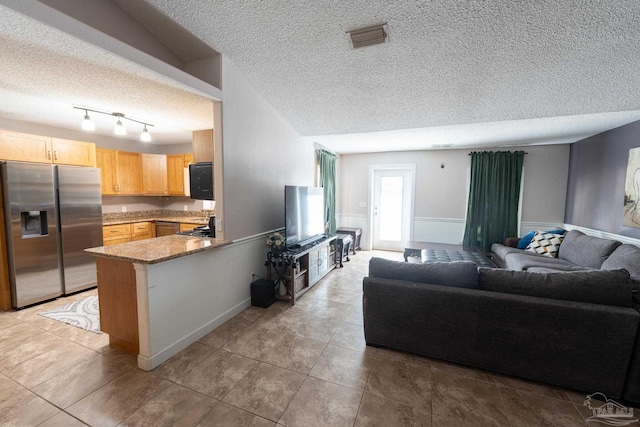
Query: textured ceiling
x=45, y=72
x=466, y=73
x=448, y=62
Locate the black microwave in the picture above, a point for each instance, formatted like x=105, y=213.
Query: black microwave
x=201, y=180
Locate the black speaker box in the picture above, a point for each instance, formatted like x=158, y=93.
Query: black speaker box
x=263, y=293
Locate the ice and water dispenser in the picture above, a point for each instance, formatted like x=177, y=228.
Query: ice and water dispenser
x=33, y=224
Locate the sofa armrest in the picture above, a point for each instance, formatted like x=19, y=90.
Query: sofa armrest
x=432, y=320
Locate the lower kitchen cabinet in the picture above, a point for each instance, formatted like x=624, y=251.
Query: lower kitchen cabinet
x=123, y=233
x=115, y=234
x=142, y=230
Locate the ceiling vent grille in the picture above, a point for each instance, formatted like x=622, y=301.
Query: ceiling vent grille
x=369, y=36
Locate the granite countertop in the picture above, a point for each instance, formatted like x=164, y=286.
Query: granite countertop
x=181, y=219
x=159, y=249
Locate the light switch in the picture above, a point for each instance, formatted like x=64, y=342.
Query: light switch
x=362, y=204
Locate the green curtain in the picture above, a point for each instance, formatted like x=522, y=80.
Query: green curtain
x=494, y=196
x=327, y=163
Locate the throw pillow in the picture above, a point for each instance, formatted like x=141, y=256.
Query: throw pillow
x=526, y=239
x=544, y=243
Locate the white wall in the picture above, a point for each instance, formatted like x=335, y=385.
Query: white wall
x=440, y=193
x=262, y=153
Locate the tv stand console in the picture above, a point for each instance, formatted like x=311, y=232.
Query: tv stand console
x=299, y=269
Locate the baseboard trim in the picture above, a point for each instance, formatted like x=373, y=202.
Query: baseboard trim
x=149, y=363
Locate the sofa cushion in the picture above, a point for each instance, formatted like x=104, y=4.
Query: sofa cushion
x=461, y=274
x=525, y=260
x=610, y=287
x=586, y=251
x=625, y=256
x=502, y=251
x=545, y=243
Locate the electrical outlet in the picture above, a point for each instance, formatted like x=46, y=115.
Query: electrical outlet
x=218, y=225
x=124, y=209
x=363, y=204
x=186, y=208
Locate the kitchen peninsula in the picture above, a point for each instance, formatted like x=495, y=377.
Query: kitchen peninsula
x=158, y=296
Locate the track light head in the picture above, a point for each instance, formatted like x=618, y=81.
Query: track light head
x=87, y=124
x=145, y=136
x=119, y=129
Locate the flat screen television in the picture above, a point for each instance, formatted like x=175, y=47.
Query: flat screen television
x=303, y=215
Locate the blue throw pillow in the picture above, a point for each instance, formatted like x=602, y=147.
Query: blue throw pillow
x=527, y=238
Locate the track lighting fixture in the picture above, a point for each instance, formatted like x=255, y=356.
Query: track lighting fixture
x=119, y=128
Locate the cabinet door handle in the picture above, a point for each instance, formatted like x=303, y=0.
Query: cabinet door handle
x=55, y=155
x=48, y=154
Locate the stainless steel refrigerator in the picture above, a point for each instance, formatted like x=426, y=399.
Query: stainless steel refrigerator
x=52, y=213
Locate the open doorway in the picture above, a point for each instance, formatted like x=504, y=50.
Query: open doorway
x=391, y=192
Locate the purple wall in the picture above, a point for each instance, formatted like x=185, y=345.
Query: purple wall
x=597, y=172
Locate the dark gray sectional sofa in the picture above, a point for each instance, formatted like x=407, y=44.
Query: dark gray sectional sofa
x=577, y=252
x=576, y=329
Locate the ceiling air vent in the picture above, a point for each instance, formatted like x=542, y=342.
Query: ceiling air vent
x=369, y=36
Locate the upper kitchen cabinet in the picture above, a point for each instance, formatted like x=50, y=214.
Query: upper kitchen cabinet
x=176, y=164
x=69, y=152
x=25, y=147
x=43, y=149
x=203, y=145
x=154, y=174
x=120, y=171
x=106, y=160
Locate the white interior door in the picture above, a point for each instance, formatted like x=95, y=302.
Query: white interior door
x=391, y=208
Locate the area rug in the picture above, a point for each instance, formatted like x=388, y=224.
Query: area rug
x=83, y=314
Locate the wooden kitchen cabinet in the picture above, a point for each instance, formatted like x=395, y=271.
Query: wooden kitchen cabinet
x=203, y=145
x=129, y=172
x=25, y=147
x=106, y=161
x=142, y=230
x=120, y=172
x=76, y=153
x=115, y=234
x=187, y=227
x=175, y=174
x=123, y=233
x=188, y=159
x=154, y=174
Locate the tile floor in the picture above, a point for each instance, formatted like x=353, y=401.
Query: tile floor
x=306, y=365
